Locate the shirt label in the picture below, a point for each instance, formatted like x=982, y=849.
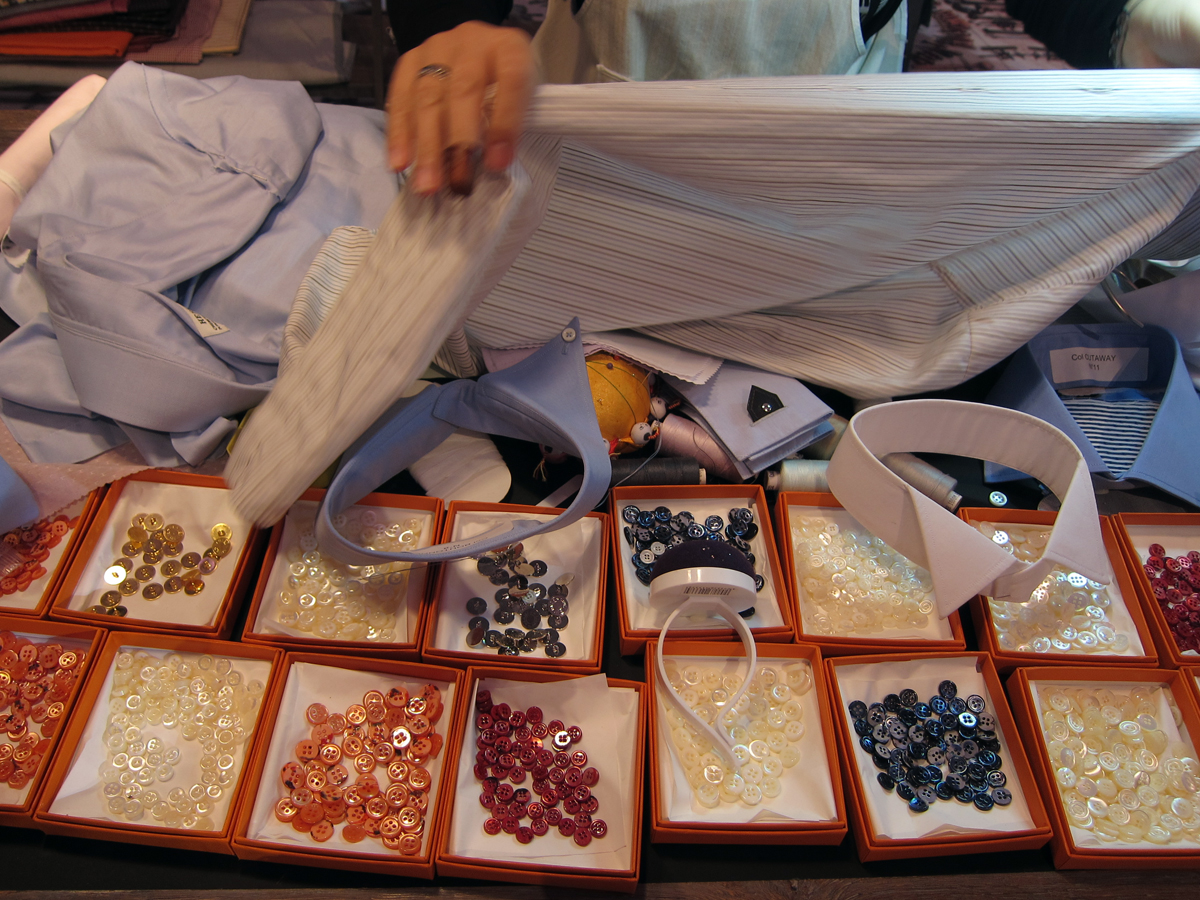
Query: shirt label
x=1099, y=364
x=207, y=327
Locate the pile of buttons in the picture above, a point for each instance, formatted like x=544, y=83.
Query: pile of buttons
x=1175, y=581
x=854, y=583
x=208, y=701
x=393, y=730
x=36, y=680
x=514, y=745
x=1119, y=774
x=945, y=749
x=153, y=538
x=32, y=544
x=651, y=532
x=1066, y=613
x=766, y=728
x=333, y=601
x=518, y=597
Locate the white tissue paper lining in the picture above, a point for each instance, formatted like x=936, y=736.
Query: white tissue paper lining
x=196, y=510
x=937, y=629
x=608, y=718
x=337, y=688
x=637, y=595
x=890, y=817
x=578, y=548
x=1118, y=616
x=80, y=795
x=1166, y=715
x=301, y=518
x=1176, y=539
x=17, y=796
x=807, y=794
x=32, y=595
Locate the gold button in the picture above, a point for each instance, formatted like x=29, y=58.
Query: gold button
x=193, y=587
x=137, y=534
x=170, y=567
x=190, y=560
x=144, y=573
x=152, y=591
x=173, y=585
x=128, y=586
x=221, y=532
x=173, y=533
x=154, y=522
x=115, y=574
x=109, y=600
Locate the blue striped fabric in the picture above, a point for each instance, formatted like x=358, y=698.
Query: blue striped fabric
x=1117, y=428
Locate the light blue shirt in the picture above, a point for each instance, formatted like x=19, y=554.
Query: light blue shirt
x=169, y=235
x=1123, y=359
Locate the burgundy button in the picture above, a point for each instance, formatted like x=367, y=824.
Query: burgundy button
x=483, y=721
x=534, y=714
x=579, y=759
x=1157, y=550
x=582, y=838
x=553, y=815
x=566, y=827
x=583, y=820
x=546, y=758
x=516, y=718
x=555, y=725
x=483, y=701
x=517, y=775
x=486, y=800
x=524, y=834
x=573, y=777
x=539, y=827
x=501, y=726
x=504, y=792
x=599, y=828
x=590, y=805
x=506, y=760
x=591, y=776
x=570, y=805
x=536, y=809
x=557, y=775
x=576, y=734
x=511, y=825
x=538, y=730
x=481, y=771
x=582, y=793
x=492, y=826
x=501, y=711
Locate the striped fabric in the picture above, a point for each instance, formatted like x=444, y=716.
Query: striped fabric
x=880, y=234
x=1116, y=428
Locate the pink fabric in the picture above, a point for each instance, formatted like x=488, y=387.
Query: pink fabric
x=65, y=13
x=188, y=44
x=57, y=485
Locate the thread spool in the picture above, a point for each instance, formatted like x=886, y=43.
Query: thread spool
x=929, y=480
x=676, y=470
x=823, y=449
x=799, y=475
x=683, y=437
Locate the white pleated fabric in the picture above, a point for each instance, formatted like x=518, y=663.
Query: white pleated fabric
x=879, y=234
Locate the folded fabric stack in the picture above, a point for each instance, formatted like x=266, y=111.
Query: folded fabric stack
x=165, y=31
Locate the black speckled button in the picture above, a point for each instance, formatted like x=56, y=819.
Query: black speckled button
x=947, y=690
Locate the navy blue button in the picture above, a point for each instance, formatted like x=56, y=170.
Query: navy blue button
x=927, y=793
x=934, y=729
x=630, y=514
x=983, y=802
x=969, y=748
x=883, y=751
x=662, y=514
x=996, y=779
x=1002, y=796
x=867, y=743
x=936, y=755
x=714, y=523
x=938, y=705
x=909, y=698
x=933, y=774
x=922, y=710
x=891, y=702
x=966, y=720
x=917, y=805
x=880, y=762
x=966, y=795
x=645, y=518
x=858, y=709
x=943, y=790
x=904, y=791
x=862, y=727
x=956, y=782
x=947, y=690
x=886, y=781
x=976, y=704
x=958, y=705
x=907, y=716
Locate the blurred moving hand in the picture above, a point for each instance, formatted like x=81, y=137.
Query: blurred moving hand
x=436, y=105
x=1162, y=34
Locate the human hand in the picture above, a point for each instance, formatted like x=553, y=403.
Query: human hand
x=437, y=119
x=1162, y=34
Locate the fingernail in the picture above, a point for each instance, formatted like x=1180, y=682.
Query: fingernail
x=498, y=156
x=462, y=162
x=424, y=180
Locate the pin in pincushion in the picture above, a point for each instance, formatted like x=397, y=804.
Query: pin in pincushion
x=704, y=569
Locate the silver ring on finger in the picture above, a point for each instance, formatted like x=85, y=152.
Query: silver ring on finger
x=442, y=72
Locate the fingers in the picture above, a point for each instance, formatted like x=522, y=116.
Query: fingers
x=436, y=124
x=512, y=72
